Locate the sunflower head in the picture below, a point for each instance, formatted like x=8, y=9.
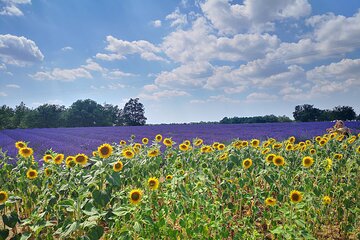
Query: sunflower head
x=70, y=161
x=187, y=142
x=277, y=145
x=245, y=143
x=169, y=177
x=307, y=161
x=48, y=158
x=153, y=152
x=312, y=151
x=135, y=196
x=198, y=142
x=326, y=200
x=158, y=137
x=122, y=142
x=323, y=142
x=278, y=161
x=58, y=158
x=255, y=142
x=168, y=142
x=338, y=156
x=223, y=156
x=317, y=138
x=145, y=140
x=26, y=152
x=31, y=174
x=153, y=183
x=221, y=146
x=3, y=197
x=128, y=153
x=358, y=149
x=118, y=166
x=292, y=139
x=270, y=201
x=247, y=163
x=183, y=147
x=81, y=159
x=265, y=151
x=270, y=157
x=47, y=172
x=295, y=196
x=105, y=150
x=289, y=147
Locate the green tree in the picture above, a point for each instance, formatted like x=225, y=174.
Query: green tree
x=85, y=113
x=133, y=113
x=343, y=113
x=6, y=117
x=306, y=113
x=46, y=116
x=19, y=117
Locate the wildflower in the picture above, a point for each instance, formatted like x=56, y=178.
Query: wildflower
x=307, y=161
x=3, y=197
x=270, y=201
x=295, y=196
x=20, y=144
x=31, y=174
x=169, y=177
x=183, y=147
x=168, y=142
x=269, y=158
x=26, y=152
x=145, y=140
x=58, y=159
x=247, y=163
x=81, y=159
x=278, y=161
x=326, y=200
x=255, y=142
x=128, y=153
x=47, y=172
x=47, y=158
x=105, y=150
x=135, y=196
x=153, y=183
x=158, y=138
x=118, y=166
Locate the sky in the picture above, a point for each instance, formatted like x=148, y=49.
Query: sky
x=186, y=61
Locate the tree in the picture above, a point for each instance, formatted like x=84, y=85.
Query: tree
x=306, y=113
x=112, y=114
x=6, y=117
x=85, y=113
x=19, y=117
x=46, y=116
x=343, y=113
x=133, y=113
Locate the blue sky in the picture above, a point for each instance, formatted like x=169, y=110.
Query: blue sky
x=187, y=61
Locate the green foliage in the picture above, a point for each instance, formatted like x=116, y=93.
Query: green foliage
x=256, y=119
x=307, y=113
x=133, y=113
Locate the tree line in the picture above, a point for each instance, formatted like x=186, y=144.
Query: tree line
x=82, y=113
x=308, y=113
x=257, y=119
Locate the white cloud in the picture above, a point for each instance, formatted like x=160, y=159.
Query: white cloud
x=163, y=94
x=93, y=66
x=156, y=23
x=112, y=86
x=12, y=86
x=109, y=57
x=150, y=87
x=65, y=49
x=19, y=50
x=10, y=7
x=116, y=74
x=3, y=94
x=260, y=97
x=177, y=19
x=216, y=98
x=59, y=74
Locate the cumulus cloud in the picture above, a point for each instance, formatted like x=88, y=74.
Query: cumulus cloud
x=19, y=51
x=59, y=74
x=116, y=74
x=260, y=96
x=215, y=98
x=3, y=94
x=11, y=7
x=65, y=49
x=163, y=94
x=177, y=19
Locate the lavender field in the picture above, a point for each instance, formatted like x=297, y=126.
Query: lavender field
x=70, y=141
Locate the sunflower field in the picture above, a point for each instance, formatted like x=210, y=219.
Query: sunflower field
x=160, y=189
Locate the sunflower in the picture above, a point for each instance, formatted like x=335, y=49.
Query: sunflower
x=215, y=145
x=312, y=151
x=351, y=140
x=270, y=201
x=340, y=138
x=95, y=153
x=255, y=142
x=158, y=138
x=47, y=172
x=289, y=147
x=168, y=142
x=198, y=142
x=3, y=197
x=245, y=143
x=31, y=174
x=295, y=196
x=344, y=146
x=277, y=145
x=266, y=144
x=153, y=183
x=128, y=153
x=81, y=159
x=187, y=142
x=333, y=135
x=169, y=177
x=118, y=166
x=247, y=163
x=135, y=196
x=48, y=158
x=221, y=146
x=322, y=142
x=20, y=144
x=183, y=147
x=326, y=200
x=292, y=139
x=338, y=156
x=307, y=161
x=122, y=142
x=58, y=158
x=278, y=161
x=153, y=153
x=206, y=149
x=223, y=156
x=26, y=152
x=265, y=151
x=145, y=140
x=317, y=138
x=269, y=158
x=237, y=144
x=328, y=164
x=70, y=161
x=105, y=150
x=358, y=149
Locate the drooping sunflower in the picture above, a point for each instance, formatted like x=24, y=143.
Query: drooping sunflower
x=105, y=150
x=20, y=144
x=270, y=201
x=153, y=183
x=169, y=177
x=81, y=159
x=223, y=156
x=47, y=172
x=328, y=164
x=279, y=161
x=158, y=137
x=3, y=197
x=118, y=166
x=135, y=196
x=292, y=139
x=26, y=152
x=326, y=200
x=277, y=145
x=183, y=147
x=153, y=152
x=289, y=147
x=358, y=149
x=31, y=174
x=307, y=161
x=58, y=158
x=145, y=140
x=247, y=163
x=48, y=158
x=70, y=161
x=338, y=156
x=270, y=157
x=168, y=142
x=255, y=142
x=198, y=142
x=128, y=153
x=265, y=151
x=295, y=196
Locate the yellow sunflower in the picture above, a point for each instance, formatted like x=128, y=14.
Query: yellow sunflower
x=223, y=156
x=118, y=166
x=289, y=147
x=31, y=174
x=322, y=142
x=340, y=138
x=3, y=197
x=270, y=201
x=153, y=153
x=158, y=138
x=26, y=152
x=206, y=149
x=338, y=156
x=47, y=172
x=295, y=196
x=135, y=196
x=278, y=161
x=266, y=144
x=168, y=142
x=58, y=158
x=277, y=145
x=145, y=140
x=198, y=142
x=265, y=151
x=358, y=149
x=237, y=144
x=81, y=159
x=269, y=158
x=221, y=146
x=183, y=147
x=247, y=163
x=312, y=151
x=70, y=161
x=122, y=142
x=105, y=150
x=307, y=161
x=215, y=145
x=128, y=153
x=255, y=142
x=48, y=158
x=95, y=153
x=169, y=177
x=153, y=183
x=292, y=139
x=20, y=144
x=326, y=200
x=187, y=142
x=328, y=164
x=317, y=138
x=245, y=143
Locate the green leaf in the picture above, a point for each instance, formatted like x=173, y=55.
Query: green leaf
x=66, y=203
x=11, y=220
x=4, y=233
x=137, y=227
x=25, y=236
x=73, y=227
x=95, y=232
x=101, y=198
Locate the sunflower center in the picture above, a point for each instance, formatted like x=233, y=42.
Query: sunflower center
x=2, y=196
x=104, y=150
x=135, y=196
x=152, y=183
x=117, y=165
x=80, y=159
x=128, y=153
x=307, y=161
x=26, y=151
x=247, y=163
x=295, y=197
x=32, y=174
